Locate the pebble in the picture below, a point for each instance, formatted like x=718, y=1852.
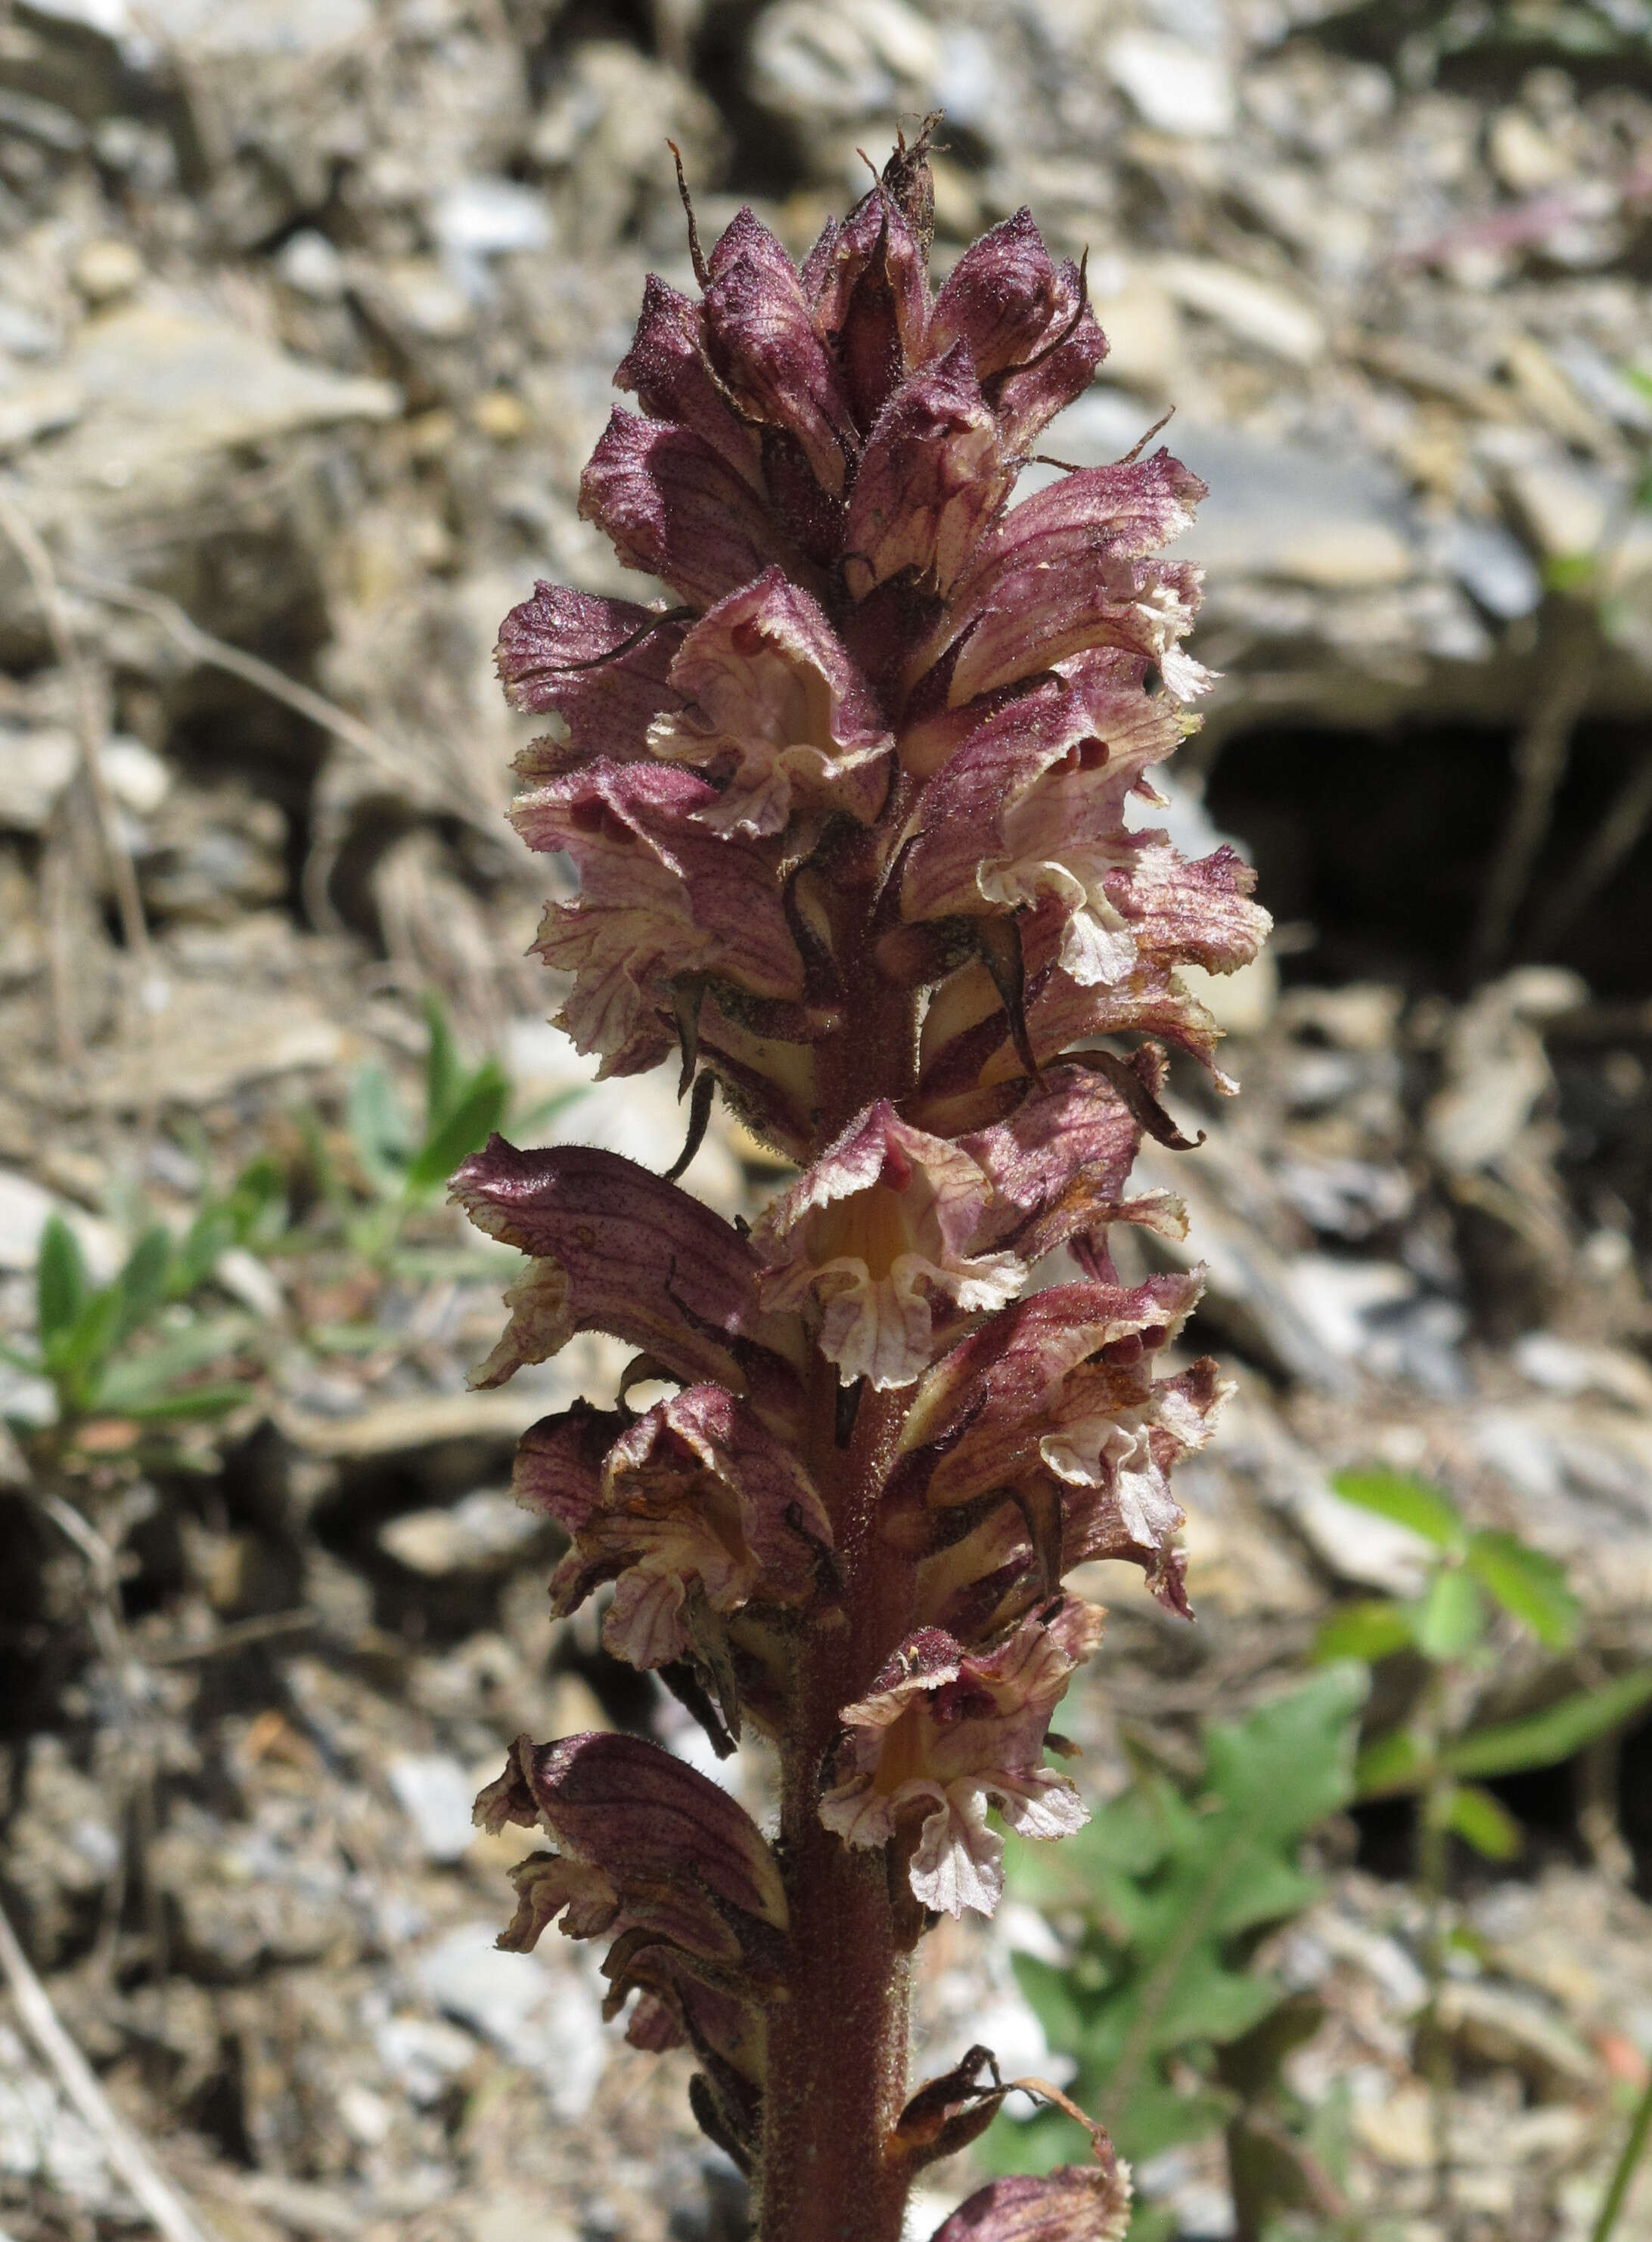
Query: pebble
x=1175, y=87
x=106, y=270
x=436, y=1794
x=548, y=2019
x=1253, y=310
x=486, y=1528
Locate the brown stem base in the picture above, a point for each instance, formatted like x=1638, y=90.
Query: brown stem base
x=836, y=2073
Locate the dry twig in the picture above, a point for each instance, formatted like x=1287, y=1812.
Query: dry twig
x=165, y=2208
x=89, y=722
x=1608, y=851
x=218, y=653
x=1568, y=650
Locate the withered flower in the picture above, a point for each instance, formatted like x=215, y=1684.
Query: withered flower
x=861, y=817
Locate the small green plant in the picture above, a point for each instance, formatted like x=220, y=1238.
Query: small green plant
x=1481, y=1582
x=1477, y=1577
x=1176, y=2033
x=405, y=1158
x=129, y=1347
x=400, y=1159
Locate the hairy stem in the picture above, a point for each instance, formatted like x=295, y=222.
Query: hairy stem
x=838, y=2044
x=836, y=2075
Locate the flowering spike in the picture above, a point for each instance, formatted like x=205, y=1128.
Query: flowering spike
x=853, y=822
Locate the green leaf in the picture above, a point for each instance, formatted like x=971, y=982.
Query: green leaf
x=534, y=1117
x=130, y=1384
x=143, y=1281
x=467, y=1126
x=1156, y=2116
x=378, y=1128
x=1213, y=2004
x=1451, y=1620
x=1396, y=1761
x=1367, y=1631
x=1482, y=1822
x=1570, y=572
x=184, y=1403
x=1547, y=1738
x=257, y=1202
x=208, y=1237
x=1266, y=1891
x=1409, y=1502
x=61, y=1281
x=1053, y=1996
x=75, y=1356
x=1153, y=2222
x=1290, y=1763
x=443, y=1087
x=1531, y=1587
x=1175, y=1888
x=1028, y=2145
x=354, y=1338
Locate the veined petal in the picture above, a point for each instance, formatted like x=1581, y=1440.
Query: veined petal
x=617, y=1249
x=1032, y=336
x=1066, y=570
x=1075, y=2203
x=1060, y=1162
x=1121, y=695
x=641, y=1816
x=1070, y=607
x=674, y=506
x=761, y=338
x=933, y=476
x=967, y=1053
x=943, y=1733
x=697, y=1496
x=667, y=371
x=558, y=1471
x=983, y=1409
x=868, y=280
x=659, y=896
x=774, y=704
x=981, y=825
x=1197, y=913
x=958, y=1861
x=601, y=665
x=549, y=1885
x=677, y=1855
x=1096, y=1485
x=875, y=1233
x=1115, y=1460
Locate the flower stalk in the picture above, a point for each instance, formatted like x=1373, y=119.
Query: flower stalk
x=848, y=808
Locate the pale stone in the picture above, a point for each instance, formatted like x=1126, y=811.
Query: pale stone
x=1175, y=87
x=1254, y=311
x=106, y=270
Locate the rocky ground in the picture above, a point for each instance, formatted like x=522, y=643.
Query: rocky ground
x=307, y=313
